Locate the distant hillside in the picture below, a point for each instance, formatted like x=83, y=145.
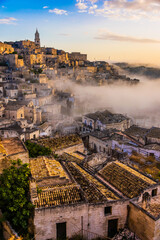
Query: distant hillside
x=149, y=72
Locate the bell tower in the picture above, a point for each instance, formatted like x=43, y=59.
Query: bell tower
x=37, y=39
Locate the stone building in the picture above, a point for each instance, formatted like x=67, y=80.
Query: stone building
x=6, y=48
x=42, y=78
x=31, y=113
x=73, y=200
x=14, y=111
x=124, y=142
x=32, y=59
x=20, y=131
x=50, y=51
x=13, y=61
x=12, y=92
x=105, y=120
x=64, y=144
x=45, y=129
x=24, y=44
x=153, y=136
x=78, y=56
x=144, y=215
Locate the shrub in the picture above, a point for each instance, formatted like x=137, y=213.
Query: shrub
x=36, y=150
x=14, y=196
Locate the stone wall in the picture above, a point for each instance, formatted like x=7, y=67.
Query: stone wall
x=98, y=144
x=72, y=149
x=141, y=223
x=88, y=217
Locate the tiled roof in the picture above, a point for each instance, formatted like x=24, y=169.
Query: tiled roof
x=127, y=180
x=43, y=167
x=61, y=142
x=68, y=194
x=94, y=191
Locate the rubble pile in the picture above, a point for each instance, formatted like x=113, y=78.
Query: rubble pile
x=126, y=234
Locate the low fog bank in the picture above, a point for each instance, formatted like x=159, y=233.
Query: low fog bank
x=148, y=71
x=141, y=102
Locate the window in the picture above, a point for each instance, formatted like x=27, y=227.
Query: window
x=107, y=211
x=154, y=192
x=21, y=115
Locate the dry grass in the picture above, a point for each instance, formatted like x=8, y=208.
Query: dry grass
x=147, y=165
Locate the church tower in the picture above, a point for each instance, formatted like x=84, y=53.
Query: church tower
x=37, y=39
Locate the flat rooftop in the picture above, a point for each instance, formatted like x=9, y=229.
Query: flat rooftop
x=102, y=134
x=154, y=132
x=11, y=146
x=153, y=207
x=43, y=167
x=125, y=179
x=136, y=131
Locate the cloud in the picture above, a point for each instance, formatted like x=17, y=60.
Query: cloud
x=123, y=9
x=64, y=34
x=3, y=7
x=9, y=20
x=92, y=9
x=106, y=35
x=81, y=6
x=45, y=7
x=59, y=11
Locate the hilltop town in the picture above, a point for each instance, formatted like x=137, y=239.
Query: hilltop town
x=93, y=174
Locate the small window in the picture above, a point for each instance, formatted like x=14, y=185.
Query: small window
x=154, y=192
x=107, y=211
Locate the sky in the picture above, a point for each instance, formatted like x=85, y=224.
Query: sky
x=110, y=30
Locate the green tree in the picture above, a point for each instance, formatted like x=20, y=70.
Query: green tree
x=14, y=196
x=36, y=150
